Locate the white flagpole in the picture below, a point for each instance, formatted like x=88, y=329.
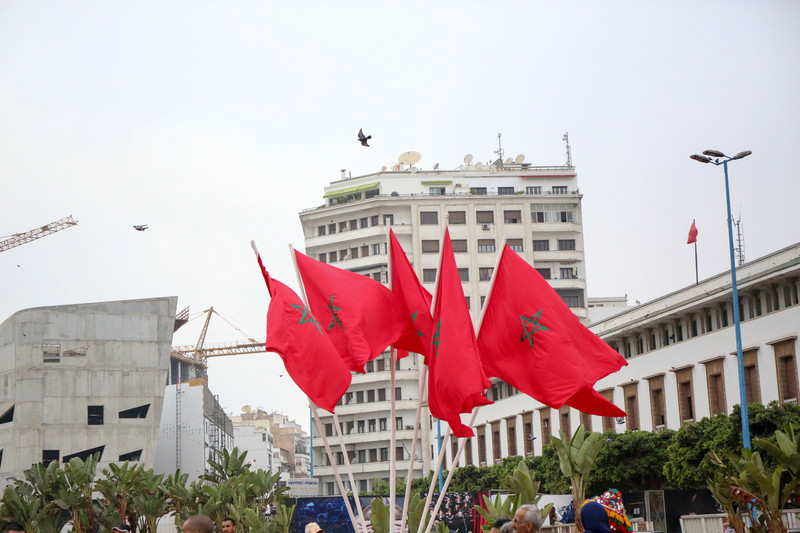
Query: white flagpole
x=333, y=464
x=449, y=476
x=392, y=444
x=434, y=478
x=348, y=469
x=423, y=382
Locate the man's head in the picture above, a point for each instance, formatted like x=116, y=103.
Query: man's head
x=228, y=525
x=12, y=527
x=198, y=523
x=313, y=527
x=498, y=524
x=527, y=519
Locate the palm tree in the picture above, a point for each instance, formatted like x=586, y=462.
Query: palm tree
x=576, y=456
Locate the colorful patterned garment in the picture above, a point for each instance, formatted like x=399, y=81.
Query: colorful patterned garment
x=618, y=520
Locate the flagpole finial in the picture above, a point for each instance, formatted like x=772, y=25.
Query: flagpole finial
x=253, y=245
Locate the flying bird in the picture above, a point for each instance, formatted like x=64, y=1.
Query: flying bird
x=140, y=227
x=363, y=139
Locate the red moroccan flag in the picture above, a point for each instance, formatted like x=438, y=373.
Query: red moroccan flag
x=308, y=354
x=360, y=315
x=417, y=300
x=591, y=402
x=530, y=339
x=456, y=382
x=692, y=234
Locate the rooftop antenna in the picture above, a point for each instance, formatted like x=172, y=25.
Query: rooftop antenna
x=565, y=138
x=739, y=248
x=499, y=151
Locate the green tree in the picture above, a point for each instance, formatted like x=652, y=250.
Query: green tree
x=577, y=456
x=633, y=461
x=688, y=463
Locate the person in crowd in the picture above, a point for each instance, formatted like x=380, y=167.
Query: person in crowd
x=228, y=525
x=12, y=527
x=594, y=517
x=527, y=519
x=498, y=524
x=199, y=523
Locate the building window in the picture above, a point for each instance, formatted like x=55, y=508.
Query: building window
x=430, y=247
x=398, y=423
x=559, y=189
x=568, y=273
x=477, y=190
x=511, y=435
x=459, y=245
x=322, y=258
x=554, y=212
x=715, y=378
x=51, y=353
x=135, y=412
x=371, y=425
x=428, y=217
x=331, y=228
x=135, y=455
x=376, y=249
x=566, y=244
x=571, y=297
x=456, y=217
x=751, y=384
x=527, y=432
x=363, y=222
x=515, y=244
x=542, y=245
x=544, y=272
x=630, y=391
x=398, y=393
x=384, y=454
x=342, y=226
x=436, y=191
x=49, y=456
x=536, y=189
x=428, y=275
x=388, y=220
x=512, y=217
x=683, y=377
x=484, y=217
x=544, y=416
x=463, y=274
x=344, y=254
x=8, y=416
x=321, y=230
x=505, y=190
x=360, y=396
x=586, y=421
x=370, y=395
x=95, y=415
x=786, y=367
x=564, y=423
x=485, y=274
x=480, y=433
x=381, y=395
x=486, y=245
x=608, y=421
x=382, y=421
x=657, y=406
x=331, y=257
x=496, y=452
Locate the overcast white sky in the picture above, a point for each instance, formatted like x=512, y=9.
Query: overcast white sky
x=217, y=122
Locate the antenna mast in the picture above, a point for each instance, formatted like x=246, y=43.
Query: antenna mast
x=739, y=249
x=499, y=151
x=565, y=138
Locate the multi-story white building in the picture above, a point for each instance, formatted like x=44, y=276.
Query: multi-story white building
x=536, y=210
x=682, y=364
x=82, y=379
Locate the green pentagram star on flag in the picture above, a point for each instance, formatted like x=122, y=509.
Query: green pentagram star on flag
x=307, y=317
x=533, y=322
x=334, y=314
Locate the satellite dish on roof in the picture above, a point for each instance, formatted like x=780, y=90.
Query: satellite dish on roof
x=246, y=408
x=478, y=165
x=413, y=169
x=468, y=159
x=436, y=166
x=509, y=161
x=409, y=158
x=520, y=158
x=383, y=168
x=395, y=193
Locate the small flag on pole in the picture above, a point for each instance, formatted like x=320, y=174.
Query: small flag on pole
x=692, y=234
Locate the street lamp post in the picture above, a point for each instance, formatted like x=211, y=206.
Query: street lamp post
x=718, y=158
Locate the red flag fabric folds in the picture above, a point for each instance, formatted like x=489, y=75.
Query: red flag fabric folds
x=417, y=300
x=692, y=234
x=308, y=354
x=591, y=402
x=456, y=382
x=530, y=339
x=360, y=315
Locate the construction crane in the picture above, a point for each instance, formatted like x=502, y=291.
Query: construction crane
x=19, y=239
x=199, y=351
